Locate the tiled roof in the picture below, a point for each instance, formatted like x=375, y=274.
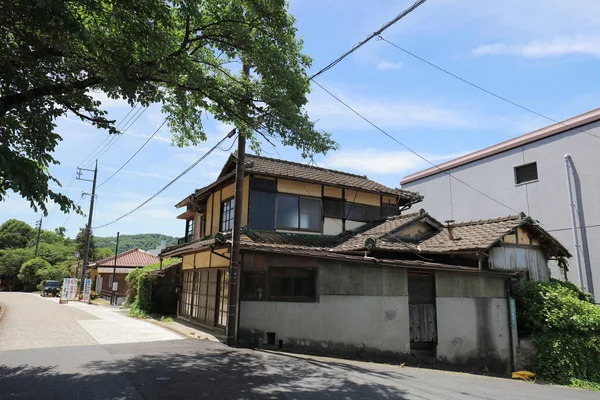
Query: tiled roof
x=467, y=236
x=293, y=170
x=129, y=258
x=308, y=173
x=264, y=239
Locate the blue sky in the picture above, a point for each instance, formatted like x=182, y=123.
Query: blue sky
x=542, y=54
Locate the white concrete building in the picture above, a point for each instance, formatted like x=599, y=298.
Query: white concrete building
x=529, y=174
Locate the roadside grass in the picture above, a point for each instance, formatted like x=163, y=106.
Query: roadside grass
x=583, y=384
x=100, y=302
x=135, y=312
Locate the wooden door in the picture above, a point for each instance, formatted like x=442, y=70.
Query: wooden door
x=421, y=308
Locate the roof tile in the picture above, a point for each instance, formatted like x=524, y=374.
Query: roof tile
x=130, y=258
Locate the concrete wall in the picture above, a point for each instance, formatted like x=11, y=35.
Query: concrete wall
x=545, y=199
x=362, y=311
x=472, y=321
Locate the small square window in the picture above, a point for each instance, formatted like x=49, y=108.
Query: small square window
x=526, y=173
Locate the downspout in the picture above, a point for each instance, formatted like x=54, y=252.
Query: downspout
x=573, y=220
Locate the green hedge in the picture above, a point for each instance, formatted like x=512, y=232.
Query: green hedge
x=139, y=292
x=565, y=325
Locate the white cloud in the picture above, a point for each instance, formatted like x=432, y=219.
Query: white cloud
x=556, y=47
x=107, y=101
x=376, y=161
x=384, y=111
x=385, y=65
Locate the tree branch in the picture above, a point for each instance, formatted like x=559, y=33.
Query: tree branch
x=97, y=120
x=11, y=101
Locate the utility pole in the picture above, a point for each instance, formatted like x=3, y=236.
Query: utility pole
x=112, y=296
x=39, y=226
x=88, y=230
x=235, y=267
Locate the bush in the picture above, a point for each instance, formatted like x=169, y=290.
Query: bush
x=28, y=274
x=565, y=326
x=139, y=289
x=93, y=295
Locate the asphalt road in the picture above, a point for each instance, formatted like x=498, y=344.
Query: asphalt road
x=77, y=366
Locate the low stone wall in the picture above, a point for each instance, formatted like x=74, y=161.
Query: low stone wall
x=526, y=351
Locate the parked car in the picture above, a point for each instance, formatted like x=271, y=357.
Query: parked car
x=50, y=288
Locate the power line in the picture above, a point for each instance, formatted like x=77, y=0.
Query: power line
x=370, y=37
x=170, y=183
x=411, y=150
x=506, y=100
x=134, y=154
x=115, y=138
x=107, y=136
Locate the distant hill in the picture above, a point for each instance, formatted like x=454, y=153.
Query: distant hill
x=144, y=241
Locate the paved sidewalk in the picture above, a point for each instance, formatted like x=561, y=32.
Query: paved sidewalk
x=33, y=322
x=111, y=327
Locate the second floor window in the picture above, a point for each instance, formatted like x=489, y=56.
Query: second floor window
x=298, y=213
x=189, y=230
x=227, y=215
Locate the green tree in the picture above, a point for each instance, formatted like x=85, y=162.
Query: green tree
x=102, y=253
x=11, y=261
x=28, y=273
x=14, y=233
x=80, y=244
x=52, y=272
x=184, y=55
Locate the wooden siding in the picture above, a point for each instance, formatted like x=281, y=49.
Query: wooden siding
x=330, y=191
x=370, y=199
x=299, y=188
x=519, y=258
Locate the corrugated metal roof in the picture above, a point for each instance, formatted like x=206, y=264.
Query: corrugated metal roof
x=130, y=258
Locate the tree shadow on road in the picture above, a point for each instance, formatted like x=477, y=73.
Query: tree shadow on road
x=198, y=370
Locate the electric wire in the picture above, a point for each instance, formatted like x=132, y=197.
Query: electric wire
x=134, y=154
x=370, y=37
x=113, y=142
x=410, y=149
x=108, y=136
x=168, y=184
x=506, y=100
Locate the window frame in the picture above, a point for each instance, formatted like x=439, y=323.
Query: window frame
x=231, y=202
x=189, y=229
x=537, y=176
x=298, y=213
x=292, y=299
x=265, y=282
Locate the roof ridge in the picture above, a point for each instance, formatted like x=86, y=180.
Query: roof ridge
x=487, y=221
x=309, y=166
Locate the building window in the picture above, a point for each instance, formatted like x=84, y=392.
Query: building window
x=362, y=212
x=526, y=173
x=298, y=213
x=292, y=284
x=254, y=286
x=227, y=208
x=189, y=230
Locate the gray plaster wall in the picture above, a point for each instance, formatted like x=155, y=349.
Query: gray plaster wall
x=474, y=332
x=361, y=311
x=372, y=326
x=472, y=321
x=545, y=200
